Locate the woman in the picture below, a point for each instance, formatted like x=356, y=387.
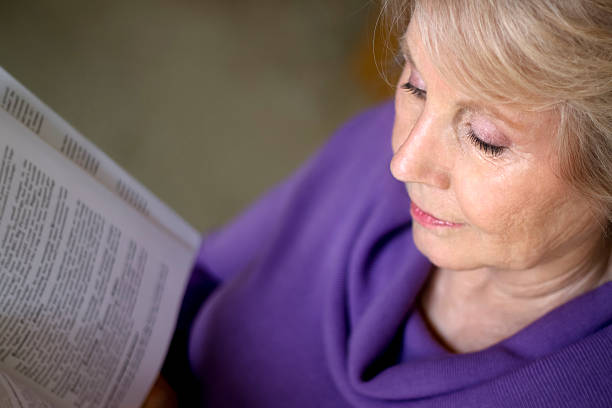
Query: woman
x=478, y=277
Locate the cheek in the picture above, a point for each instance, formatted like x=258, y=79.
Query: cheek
x=521, y=213
x=505, y=205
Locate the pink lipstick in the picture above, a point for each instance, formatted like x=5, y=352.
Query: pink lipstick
x=428, y=220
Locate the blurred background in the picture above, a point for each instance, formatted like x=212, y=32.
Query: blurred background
x=208, y=103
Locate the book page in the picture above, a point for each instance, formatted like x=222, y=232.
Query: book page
x=15, y=395
x=89, y=287
x=50, y=127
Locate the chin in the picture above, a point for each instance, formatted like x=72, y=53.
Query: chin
x=444, y=251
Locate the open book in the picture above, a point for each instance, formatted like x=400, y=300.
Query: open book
x=92, y=267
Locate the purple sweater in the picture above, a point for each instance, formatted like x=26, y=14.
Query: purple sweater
x=316, y=306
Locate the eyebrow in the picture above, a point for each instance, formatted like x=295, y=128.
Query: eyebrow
x=405, y=48
x=472, y=106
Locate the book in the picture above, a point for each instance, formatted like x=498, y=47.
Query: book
x=93, y=266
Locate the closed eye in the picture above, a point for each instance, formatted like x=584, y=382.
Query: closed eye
x=418, y=92
x=487, y=148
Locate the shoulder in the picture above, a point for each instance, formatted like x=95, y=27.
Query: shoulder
x=369, y=132
x=347, y=174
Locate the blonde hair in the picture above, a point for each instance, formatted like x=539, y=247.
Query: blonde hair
x=539, y=54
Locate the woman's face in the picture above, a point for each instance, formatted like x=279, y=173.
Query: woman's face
x=481, y=178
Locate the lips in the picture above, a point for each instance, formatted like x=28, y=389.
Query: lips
x=429, y=220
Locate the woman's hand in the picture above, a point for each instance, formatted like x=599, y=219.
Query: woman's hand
x=161, y=396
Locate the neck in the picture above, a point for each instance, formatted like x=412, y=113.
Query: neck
x=472, y=310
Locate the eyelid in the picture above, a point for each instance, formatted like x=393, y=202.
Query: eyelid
x=487, y=128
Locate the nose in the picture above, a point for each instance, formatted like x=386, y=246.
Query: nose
x=420, y=155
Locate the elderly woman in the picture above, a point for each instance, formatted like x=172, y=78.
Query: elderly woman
x=475, y=276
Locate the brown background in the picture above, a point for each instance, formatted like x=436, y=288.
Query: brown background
x=208, y=103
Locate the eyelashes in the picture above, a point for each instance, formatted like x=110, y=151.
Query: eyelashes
x=487, y=148
x=420, y=93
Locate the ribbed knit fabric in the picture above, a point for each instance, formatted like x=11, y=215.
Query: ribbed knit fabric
x=316, y=306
